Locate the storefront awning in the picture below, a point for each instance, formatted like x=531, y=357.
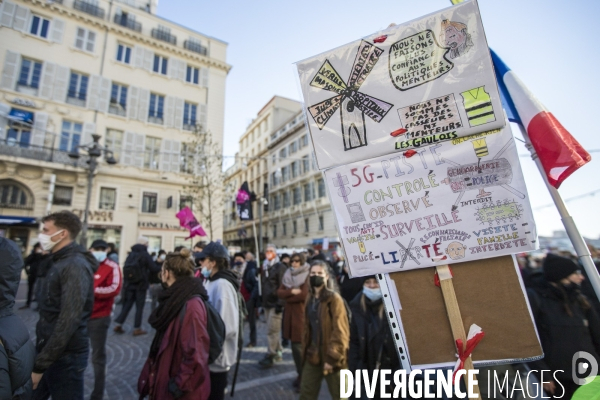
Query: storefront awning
x=8, y=220
x=19, y=115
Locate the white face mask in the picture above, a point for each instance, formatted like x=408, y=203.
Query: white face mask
x=46, y=240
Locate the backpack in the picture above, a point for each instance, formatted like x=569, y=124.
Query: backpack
x=133, y=271
x=215, y=328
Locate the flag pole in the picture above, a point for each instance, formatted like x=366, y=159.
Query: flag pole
x=581, y=249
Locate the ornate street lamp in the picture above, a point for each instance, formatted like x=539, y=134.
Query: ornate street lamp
x=93, y=150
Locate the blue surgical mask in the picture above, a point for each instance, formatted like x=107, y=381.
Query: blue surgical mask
x=205, y=272
x=100, y=255
x=372, y=294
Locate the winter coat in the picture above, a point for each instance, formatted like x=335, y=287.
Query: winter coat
x=146, y=262
x=222, y=295
x=335, y=332
x=249, y=279
x=293, y=317
x=371, y=340
x=17, y=352
x=32, y=263
x=107, y=285
x=182, y=360
x=62, y=327
x=271, y=280
x=349, y=287
x=562, y=335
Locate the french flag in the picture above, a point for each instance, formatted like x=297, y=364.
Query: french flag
x=557, y=149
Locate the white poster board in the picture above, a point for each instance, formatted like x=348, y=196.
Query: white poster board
x=458, y=200
x=412, y=84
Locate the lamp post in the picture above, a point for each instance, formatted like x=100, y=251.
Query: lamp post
x=93, y=150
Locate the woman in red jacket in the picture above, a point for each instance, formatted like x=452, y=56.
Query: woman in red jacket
x=177, y=366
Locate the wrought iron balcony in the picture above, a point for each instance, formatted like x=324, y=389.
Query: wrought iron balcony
x=88, y=8
x=127, y=22
x=195, y=47
x=10, y=147
x=165, y=36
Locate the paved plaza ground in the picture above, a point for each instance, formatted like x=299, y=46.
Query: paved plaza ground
x=126, y=356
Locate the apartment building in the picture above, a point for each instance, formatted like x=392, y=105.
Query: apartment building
x=143, y=86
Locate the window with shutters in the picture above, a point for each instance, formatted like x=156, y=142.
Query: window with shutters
x=321, y=225
x=321, y=188
x=156, y=109
x=152, y=153
x=149, y=202
x=187, y=158
x=297, y=195
x=160, y=64
x=192, y=74
x=286, y=199
x=114, y=142
x=85, y=39
x=285, y=173
x=304, y=141
x=70, y=136
x=108, y=198
x=295, y=169
x=284, y=228
x=274, y=231
x=186, y=201
x=305, y=164
x=63, y=195
x=274, y=159
x=39, y=26
x=294, y=227
x=308, y=192
x=189, y=116
x=276, y=202
x=18, y=135
x=282, y=153
x=306, y=225
x=293, y=147
x=29, y=77
x=78, y=86
x=124, y=53
x=118, y=99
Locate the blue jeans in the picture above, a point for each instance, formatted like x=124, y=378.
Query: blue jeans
x=64, y=379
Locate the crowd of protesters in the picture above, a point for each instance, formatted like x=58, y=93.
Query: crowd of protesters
x=201, y=298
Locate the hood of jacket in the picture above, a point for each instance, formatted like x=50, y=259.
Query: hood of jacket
x=10, y=275
x=139, y=248
x=228, y=275
x=72, y=249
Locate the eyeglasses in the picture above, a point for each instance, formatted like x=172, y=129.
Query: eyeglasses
x=295, y=260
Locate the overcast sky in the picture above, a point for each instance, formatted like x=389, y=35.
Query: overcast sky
x=551, y=45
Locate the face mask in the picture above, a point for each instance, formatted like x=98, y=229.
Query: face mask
x=205, y=272
x=372, y=294
x=100, y=255
x=46, y=240
x=316, y=281
x=161, y=257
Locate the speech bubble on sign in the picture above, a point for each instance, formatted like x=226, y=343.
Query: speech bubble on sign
x=416, y=60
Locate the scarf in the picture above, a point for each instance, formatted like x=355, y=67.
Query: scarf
x=295, y=277
x=170, y=303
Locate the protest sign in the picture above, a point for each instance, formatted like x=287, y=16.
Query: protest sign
x=413, y=84
x=458, y=200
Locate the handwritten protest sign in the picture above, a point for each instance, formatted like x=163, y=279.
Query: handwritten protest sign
x=413, y=84
x=457, y=200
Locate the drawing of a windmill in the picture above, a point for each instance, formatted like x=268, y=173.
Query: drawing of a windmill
x=352, y=103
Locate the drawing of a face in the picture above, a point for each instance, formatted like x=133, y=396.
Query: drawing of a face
x=456, y=250
x=454, y=37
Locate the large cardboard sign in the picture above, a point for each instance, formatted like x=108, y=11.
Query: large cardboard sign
x=458, y=200
x=413, y=84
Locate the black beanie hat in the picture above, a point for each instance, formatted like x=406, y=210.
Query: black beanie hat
x=557, y=267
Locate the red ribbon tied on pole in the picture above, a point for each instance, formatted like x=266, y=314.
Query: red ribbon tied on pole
x=473, y=339
x=189, y=222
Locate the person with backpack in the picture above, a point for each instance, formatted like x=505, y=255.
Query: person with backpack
x=326, y=335
x=222, y=286
x=177, y=364
x=136, y=270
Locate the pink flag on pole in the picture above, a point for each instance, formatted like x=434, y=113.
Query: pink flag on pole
x=189, y=222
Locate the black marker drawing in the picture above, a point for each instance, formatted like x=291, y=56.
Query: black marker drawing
x=356, y=213
x=454, y=35
x=354, y=104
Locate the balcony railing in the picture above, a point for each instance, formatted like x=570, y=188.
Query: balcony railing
x=88, y=8
x=165, y=36
x=127, y=22
x=195, y=47
x=16, y=149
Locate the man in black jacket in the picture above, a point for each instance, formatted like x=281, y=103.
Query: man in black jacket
x=272, y=304
x=17, y=352
x=31, y=268
x=136, y=272
x=62, y=336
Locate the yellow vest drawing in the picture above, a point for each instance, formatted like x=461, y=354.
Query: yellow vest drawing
x=478, y=106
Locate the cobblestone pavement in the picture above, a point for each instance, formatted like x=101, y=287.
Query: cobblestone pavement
x=126, y=356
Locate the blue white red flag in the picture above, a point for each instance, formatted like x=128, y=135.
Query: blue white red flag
x=557, y=149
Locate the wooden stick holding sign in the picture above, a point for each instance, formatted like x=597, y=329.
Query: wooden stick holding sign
x=456, y=322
